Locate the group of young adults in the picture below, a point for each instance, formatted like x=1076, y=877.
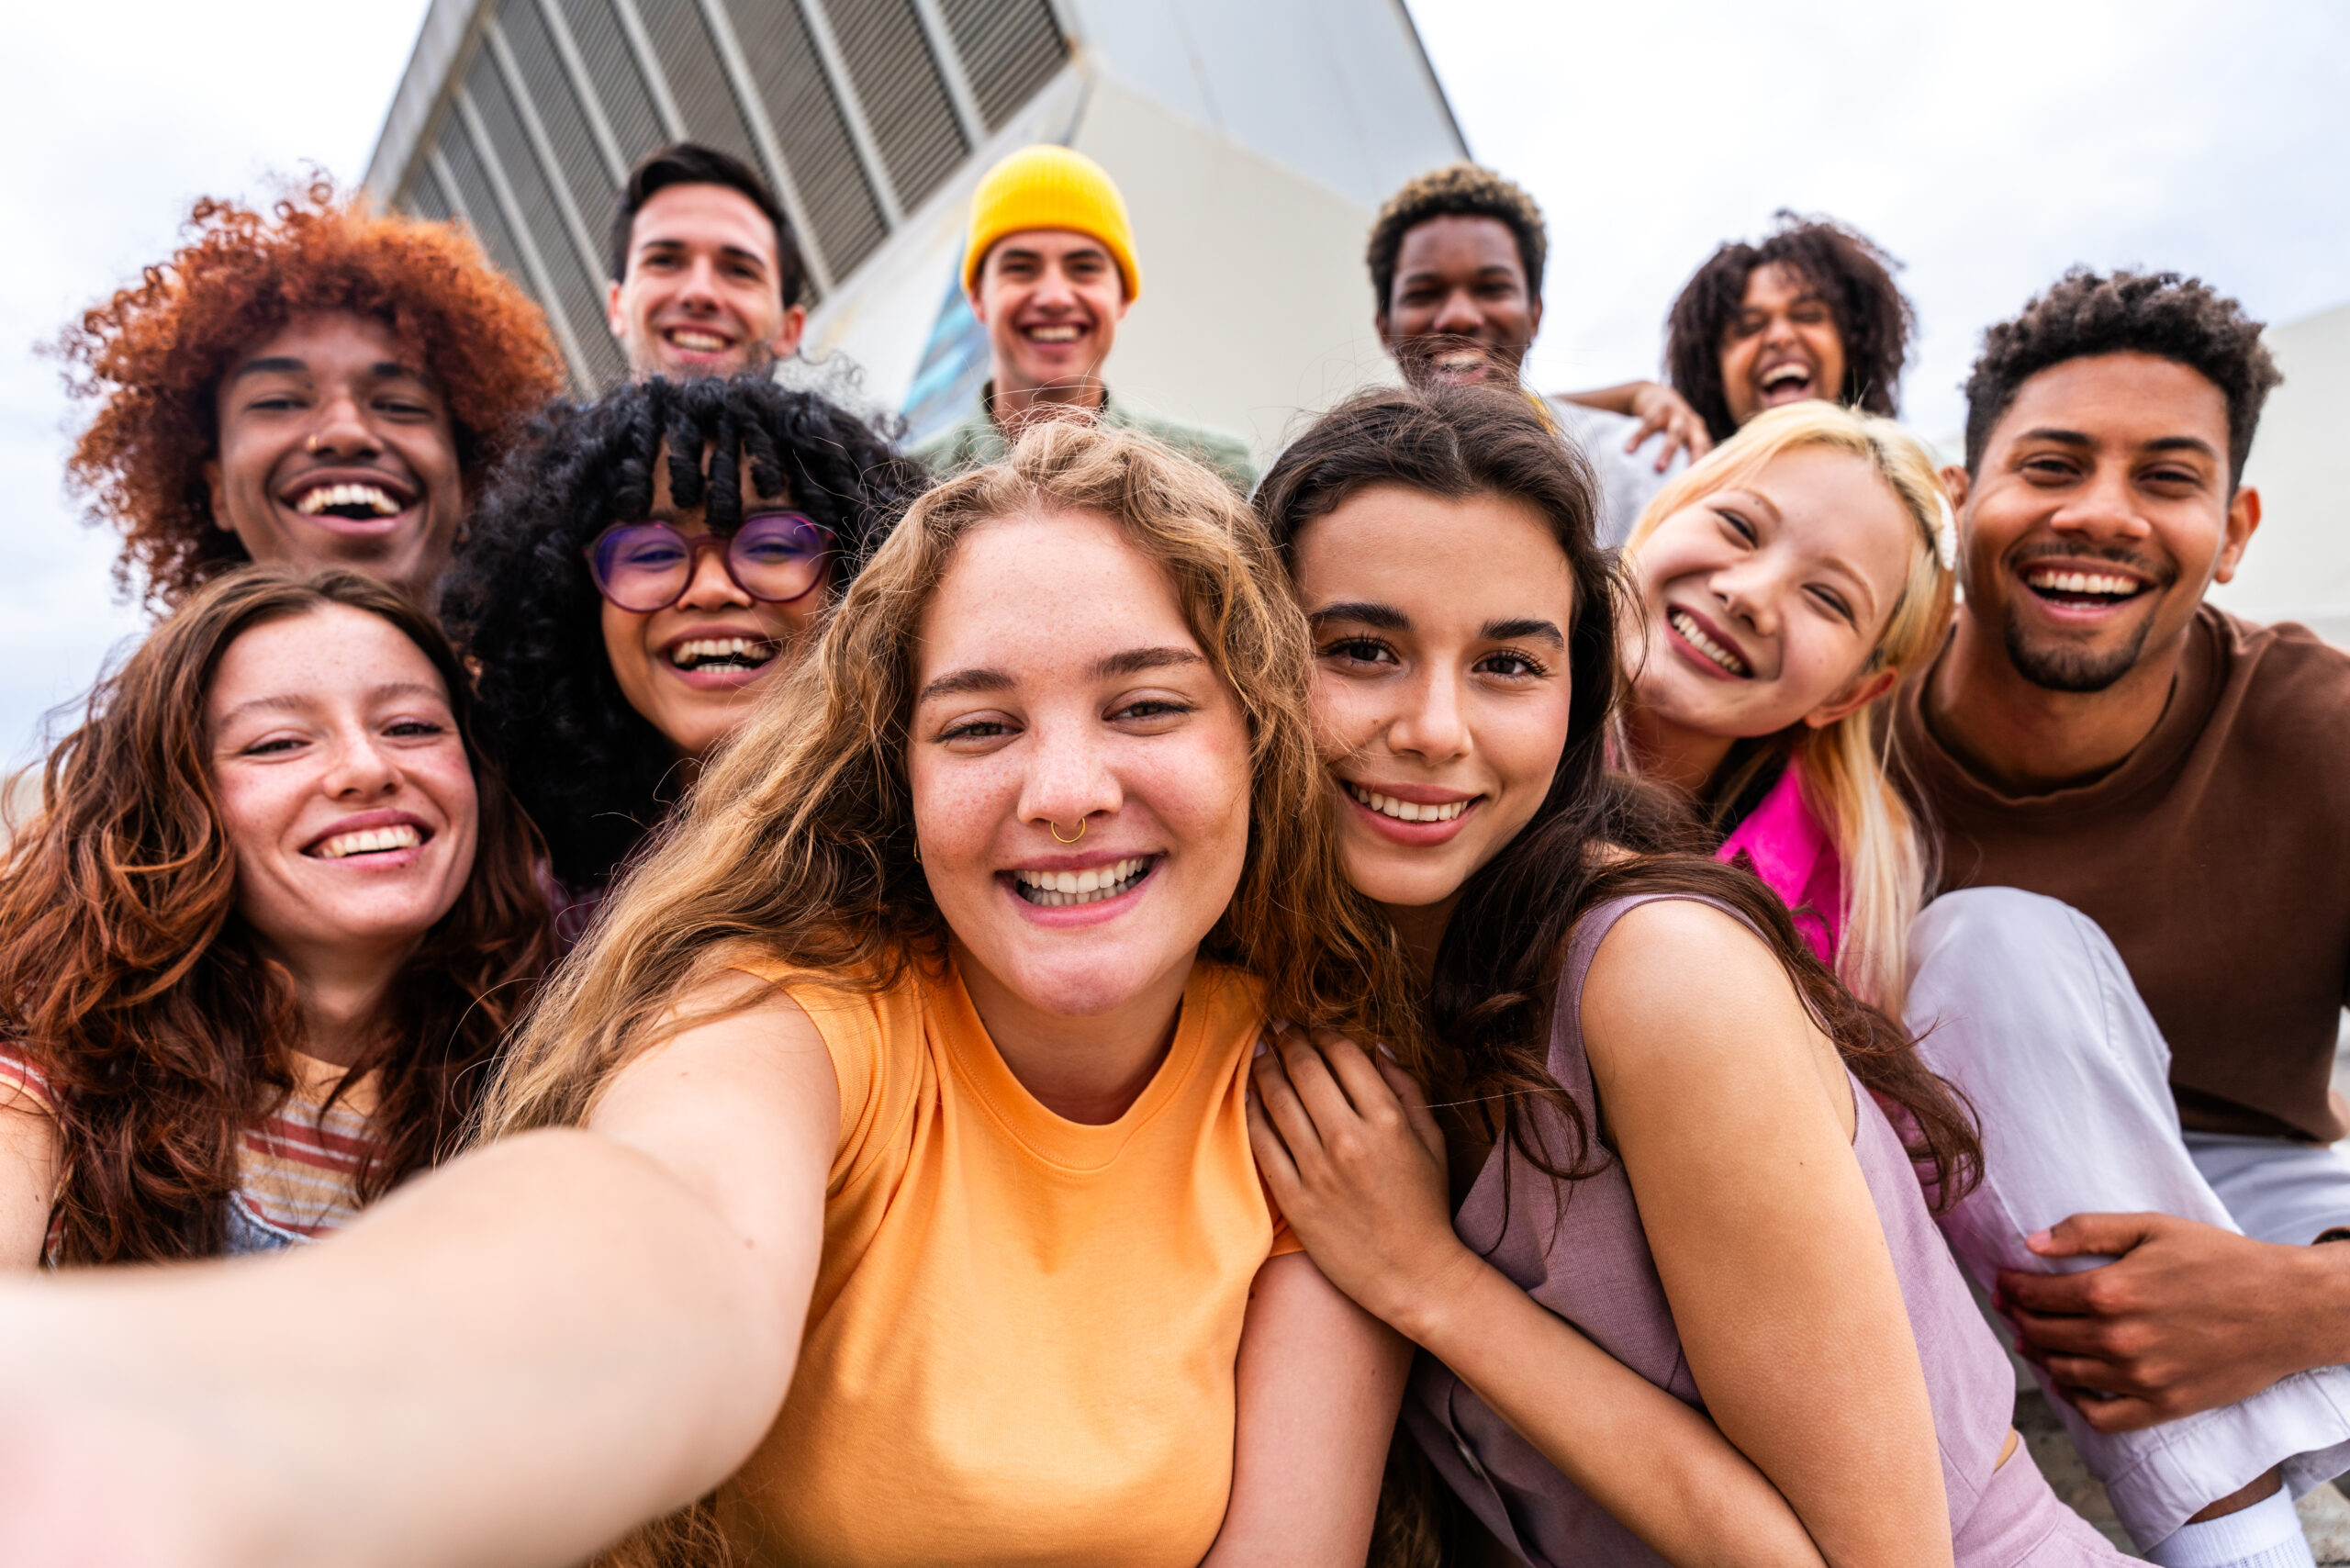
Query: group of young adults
x=1047, y=999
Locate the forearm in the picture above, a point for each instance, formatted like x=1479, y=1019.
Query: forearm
x=1611, y=399
x=1659, y=1466
x=510, y=1363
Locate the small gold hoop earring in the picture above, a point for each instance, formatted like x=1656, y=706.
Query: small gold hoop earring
x=1057, y=831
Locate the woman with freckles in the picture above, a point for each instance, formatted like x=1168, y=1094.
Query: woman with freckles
x=1680, y=1298
x=258, y=946
x=873, y=1184
x=642, y=570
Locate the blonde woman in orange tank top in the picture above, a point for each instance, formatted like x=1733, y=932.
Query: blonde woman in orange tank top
x=872, y=1185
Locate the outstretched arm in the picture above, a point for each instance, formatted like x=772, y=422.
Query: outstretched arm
x=1356, y=1163
x=1320, y=1380
x=512, y=1361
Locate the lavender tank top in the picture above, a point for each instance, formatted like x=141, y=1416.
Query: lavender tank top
x=1578, y=1249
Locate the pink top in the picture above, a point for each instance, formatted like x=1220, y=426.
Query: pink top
x=1790, y=850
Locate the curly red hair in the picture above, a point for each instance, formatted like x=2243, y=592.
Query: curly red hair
x=156, y=352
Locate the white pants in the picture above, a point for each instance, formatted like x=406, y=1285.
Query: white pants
x=2022, y=1003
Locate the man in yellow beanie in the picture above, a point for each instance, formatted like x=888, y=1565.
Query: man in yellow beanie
x=1050, y=272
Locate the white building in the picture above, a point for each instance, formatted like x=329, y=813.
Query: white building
x=1254, y=143
x=2298, y=567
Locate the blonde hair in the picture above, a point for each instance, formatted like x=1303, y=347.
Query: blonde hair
x=1845, y=768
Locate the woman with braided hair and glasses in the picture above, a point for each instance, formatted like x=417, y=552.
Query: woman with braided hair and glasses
x=638, y=572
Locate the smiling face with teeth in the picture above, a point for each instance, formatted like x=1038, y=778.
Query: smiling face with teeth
x=691, y=670
x=1442, y=693
x=344, y=788
x=1783, y=346
x=1460, y=309
x=1051, y=301
x=703, y=294
x=335, y=450
x=1101, y=723
x=1763, y=603
x=2100, y=513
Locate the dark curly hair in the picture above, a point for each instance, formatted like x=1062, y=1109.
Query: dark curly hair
x=2088, y=313
x=155, y=352
x=1465, y=190
x=592, y=771
x=1854, y=276
x=130, y=984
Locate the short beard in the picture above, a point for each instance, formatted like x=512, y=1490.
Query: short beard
x=2064, y=669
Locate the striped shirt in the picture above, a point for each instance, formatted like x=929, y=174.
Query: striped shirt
x=298, y=1168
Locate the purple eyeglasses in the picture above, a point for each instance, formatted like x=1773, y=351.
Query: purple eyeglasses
x=775, y=556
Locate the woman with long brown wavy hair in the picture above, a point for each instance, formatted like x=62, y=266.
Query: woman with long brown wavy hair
x=259, y=943
x=876, y=1170
x=1675, y=1142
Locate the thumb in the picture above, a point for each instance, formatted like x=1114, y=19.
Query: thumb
x=2107, y=1236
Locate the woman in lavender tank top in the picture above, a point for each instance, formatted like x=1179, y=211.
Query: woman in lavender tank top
x=1687, y=1303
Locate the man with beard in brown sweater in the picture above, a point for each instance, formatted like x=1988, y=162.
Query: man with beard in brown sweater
x=2138, y=966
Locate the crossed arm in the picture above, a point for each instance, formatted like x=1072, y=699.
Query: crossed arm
x=520, y=1356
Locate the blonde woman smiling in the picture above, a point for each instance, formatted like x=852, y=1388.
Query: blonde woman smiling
x=1785, y=584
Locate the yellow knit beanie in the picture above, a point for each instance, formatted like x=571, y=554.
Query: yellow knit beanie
x=1050, y=187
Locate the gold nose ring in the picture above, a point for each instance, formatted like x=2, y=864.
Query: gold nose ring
x=1073, y=838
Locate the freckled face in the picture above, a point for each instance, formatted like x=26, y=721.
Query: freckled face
x=343, y=785
x=1079, y=777
x=1763, y=600
x=1441, y=692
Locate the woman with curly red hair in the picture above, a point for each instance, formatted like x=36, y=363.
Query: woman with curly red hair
x=321, y=386
x=258, y=944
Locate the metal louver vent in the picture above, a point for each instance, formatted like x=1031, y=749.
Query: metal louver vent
x=478, y=198
x=612, y=70
x=698, y=83
x=1009, y=47
x=425, y=200
x=904, y=97
x=857, y=110
x=549, y=231
x=590, y=179
x=813, y=139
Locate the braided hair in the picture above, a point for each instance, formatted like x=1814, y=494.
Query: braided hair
x=593, y=773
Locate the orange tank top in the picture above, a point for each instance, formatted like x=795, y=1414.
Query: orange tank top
x=1021, y=1346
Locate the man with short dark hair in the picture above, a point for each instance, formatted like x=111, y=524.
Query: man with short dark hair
x=2144, y=803
x=1456, y=261
x=706, y=274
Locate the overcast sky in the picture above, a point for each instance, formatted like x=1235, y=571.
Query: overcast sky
x=1986, y=145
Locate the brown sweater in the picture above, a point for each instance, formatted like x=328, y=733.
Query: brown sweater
x=2217, y=857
